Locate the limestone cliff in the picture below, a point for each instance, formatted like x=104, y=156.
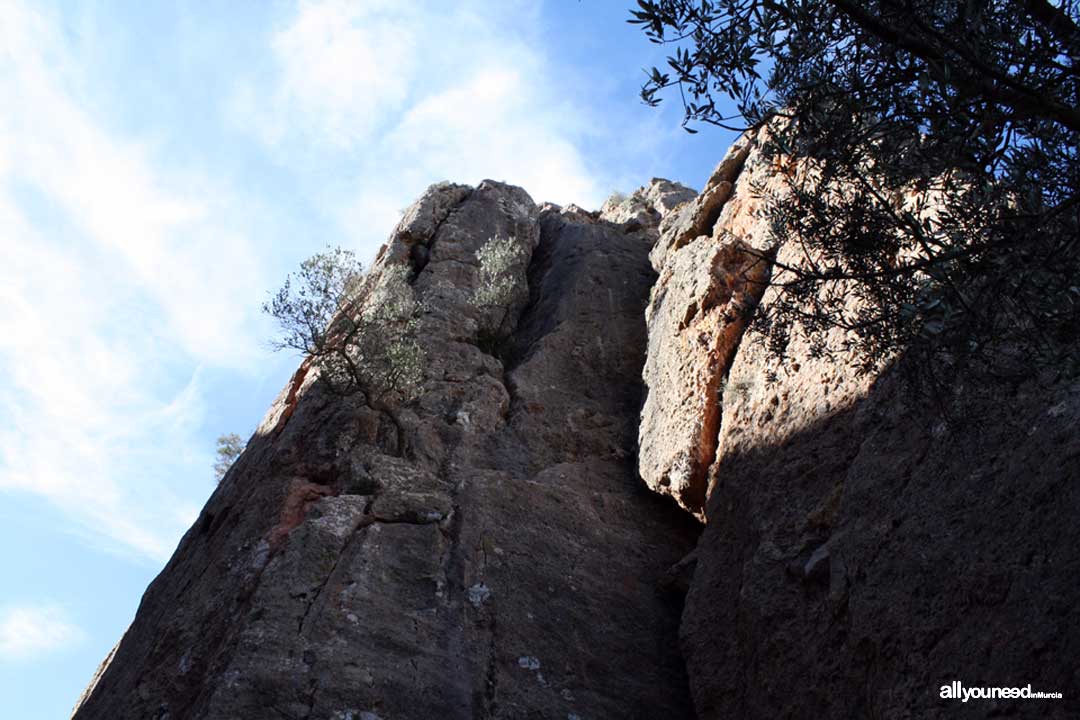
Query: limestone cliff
x=502, y=547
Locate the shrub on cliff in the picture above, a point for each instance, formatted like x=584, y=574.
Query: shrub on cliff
x=494, y=293
x=358, y=328
x=229, y=448
x=938, y=146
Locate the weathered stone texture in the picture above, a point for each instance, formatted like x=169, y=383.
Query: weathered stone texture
x=861, y=549
x=484, y=552
x=861, y=552
x=712, y=274
x=647, y=205
x=489, y=551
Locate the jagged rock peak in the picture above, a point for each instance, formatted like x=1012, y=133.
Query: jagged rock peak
x=711, y=275
x=647, y=205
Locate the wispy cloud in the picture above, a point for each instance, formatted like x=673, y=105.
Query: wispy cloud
x=346, y=67
x=128, y=283
x=398, y=97
x=115, y=286
x=29, y=631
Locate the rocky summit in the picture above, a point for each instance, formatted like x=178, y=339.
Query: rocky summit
x=624, y=508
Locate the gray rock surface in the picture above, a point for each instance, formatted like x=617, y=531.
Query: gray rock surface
x=484, y=552
x=648, y=205
x=860, y=552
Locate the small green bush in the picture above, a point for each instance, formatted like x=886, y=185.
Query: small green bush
x=498, y=259
x=229, y=448
x=359, y=328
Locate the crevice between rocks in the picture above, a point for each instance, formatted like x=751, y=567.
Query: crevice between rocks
x=739, y=278
x=419, y=251
x=738, y=315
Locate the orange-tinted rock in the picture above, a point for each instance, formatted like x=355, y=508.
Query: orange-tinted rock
x=712, y=273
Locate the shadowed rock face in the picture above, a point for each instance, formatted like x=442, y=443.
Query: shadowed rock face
x=484, y=552
x=862, y=550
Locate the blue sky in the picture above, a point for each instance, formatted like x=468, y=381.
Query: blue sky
x=162, y=167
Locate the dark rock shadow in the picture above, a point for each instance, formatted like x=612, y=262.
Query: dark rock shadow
x=853, y=568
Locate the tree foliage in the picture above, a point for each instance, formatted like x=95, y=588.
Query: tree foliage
x=359, y=328
x=498, y=258
x=229, y=448
x=938, y=143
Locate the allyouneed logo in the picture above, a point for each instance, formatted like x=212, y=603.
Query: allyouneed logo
x=956, y=691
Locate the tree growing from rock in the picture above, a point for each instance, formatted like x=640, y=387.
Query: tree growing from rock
x=359, y=329
x=494, y=294
x=229, y=447
x=939, y=182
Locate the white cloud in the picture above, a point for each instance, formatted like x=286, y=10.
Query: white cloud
x=489, y=125
x=33, y=630
x=158, y=240
x=122, y=276
x=400, y=98
x=347, y=65
x=115, y=284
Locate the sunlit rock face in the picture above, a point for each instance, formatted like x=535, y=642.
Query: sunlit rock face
x=863, y=547
x=712, y=272
x=484, y=551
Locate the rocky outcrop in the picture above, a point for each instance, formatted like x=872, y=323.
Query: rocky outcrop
x=489, y=550
x=648, y=205
x=863, y=548
x=484, y=552
x=862, y=551
x=712, y=273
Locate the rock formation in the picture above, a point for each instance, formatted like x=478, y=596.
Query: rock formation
x=484, y=552
x=862, y=550
x=500, y=548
